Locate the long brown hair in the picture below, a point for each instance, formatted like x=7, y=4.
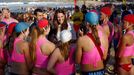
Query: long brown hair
x=64, y=49
x=10, y=41
x=55, y=20
x=36, y=32
x=95, y=34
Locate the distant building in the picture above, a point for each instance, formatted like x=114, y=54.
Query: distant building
x=43, y=0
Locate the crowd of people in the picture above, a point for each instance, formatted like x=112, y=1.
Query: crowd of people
x=97, y=41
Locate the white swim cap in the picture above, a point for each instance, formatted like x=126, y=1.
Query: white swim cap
x=65, y=36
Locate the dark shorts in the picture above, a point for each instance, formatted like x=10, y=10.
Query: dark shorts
x=98, y=72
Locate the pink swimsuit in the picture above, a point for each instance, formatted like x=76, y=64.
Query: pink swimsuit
x=1, y=53
x=129, y=50
x=92, y=56
x=16, y=56
x=9, y=21
x=67, y=67
x=41, y=59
